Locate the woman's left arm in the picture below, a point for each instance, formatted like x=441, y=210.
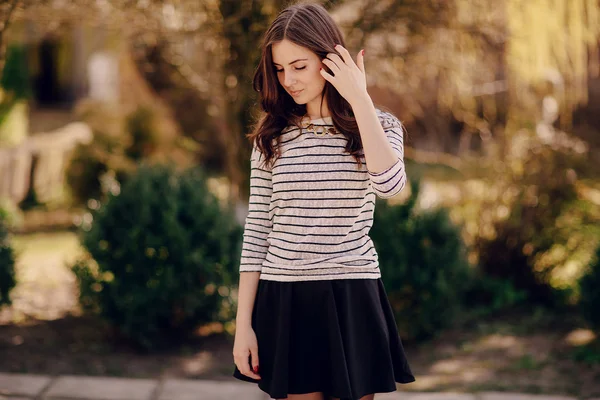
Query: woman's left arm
x=379, y=153
x=384, y=149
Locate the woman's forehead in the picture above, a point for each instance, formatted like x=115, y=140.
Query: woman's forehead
x=286, y=52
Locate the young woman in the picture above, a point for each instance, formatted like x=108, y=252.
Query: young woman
x=313, y=319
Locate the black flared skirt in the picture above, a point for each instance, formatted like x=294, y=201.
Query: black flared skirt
x=338, y=337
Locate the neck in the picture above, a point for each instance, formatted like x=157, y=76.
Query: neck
x=317, y=109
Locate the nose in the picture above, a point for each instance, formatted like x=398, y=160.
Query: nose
x=289, y=79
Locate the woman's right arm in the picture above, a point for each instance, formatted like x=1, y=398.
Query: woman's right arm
x=254, y=251
x=246, y=295
x=258, y=225
x=245, y=343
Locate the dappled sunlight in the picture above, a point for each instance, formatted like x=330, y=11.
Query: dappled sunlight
x=46, y=288
x=503, y=360
x=210, y=328
x=198, y=364
x=430, y=382
x=580, y=337
x=447, y=366
x=464, y=370
x=451, y=373
x=495, y=342
x=472, y=363
x=435, y=194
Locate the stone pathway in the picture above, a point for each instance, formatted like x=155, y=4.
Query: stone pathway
x=40, y=387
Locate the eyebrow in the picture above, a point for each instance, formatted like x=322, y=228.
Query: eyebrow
x=300, y=59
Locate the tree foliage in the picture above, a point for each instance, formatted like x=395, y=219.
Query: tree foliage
x=473, y=67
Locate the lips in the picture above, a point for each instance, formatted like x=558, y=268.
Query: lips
x=296, y=93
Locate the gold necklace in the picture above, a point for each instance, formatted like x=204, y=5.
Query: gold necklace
x=320, y=130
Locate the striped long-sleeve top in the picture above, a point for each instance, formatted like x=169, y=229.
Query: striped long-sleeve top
x=310, y=213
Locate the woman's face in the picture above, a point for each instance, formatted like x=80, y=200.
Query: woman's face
x=297, y=70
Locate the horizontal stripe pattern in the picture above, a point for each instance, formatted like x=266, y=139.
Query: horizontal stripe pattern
x=310, y=214
x=258, y=224
x=390, y=182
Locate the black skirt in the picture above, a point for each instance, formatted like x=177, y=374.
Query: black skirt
x=338, y=337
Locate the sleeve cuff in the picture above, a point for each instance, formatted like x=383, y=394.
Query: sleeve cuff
x=381, y=178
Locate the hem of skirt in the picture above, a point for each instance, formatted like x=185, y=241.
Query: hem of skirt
x=403, y=380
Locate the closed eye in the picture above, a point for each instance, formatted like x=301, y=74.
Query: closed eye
x=297, y=69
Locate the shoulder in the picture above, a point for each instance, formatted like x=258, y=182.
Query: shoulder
x=256, y=154
x=388, y=120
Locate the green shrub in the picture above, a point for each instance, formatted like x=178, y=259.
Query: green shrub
x=487, y=294
x=590, y=294
x=15, y=78
x=7, y=262
x=589, y=353
x=546, y=230
x=91, y=163
x=163, y=257
x=423, y=265
x=145, y=137
x=122, y=140
x=15, y=83
x=10, y=213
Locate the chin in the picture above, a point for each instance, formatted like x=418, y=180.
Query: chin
x=304, y=100
x=298, y=101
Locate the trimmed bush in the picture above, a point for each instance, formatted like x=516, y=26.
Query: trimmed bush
x=163, y=257
x=590, y=294
x=423, y=265
x=7, y=262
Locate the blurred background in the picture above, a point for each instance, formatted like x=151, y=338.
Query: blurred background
x=124, y=183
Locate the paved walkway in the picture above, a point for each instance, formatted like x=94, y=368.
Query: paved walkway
x=38, y=387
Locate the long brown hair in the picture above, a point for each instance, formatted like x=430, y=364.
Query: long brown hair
x=311, y=26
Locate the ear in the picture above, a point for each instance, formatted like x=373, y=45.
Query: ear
x=328, y=77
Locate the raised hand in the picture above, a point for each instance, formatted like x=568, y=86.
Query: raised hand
x=348, y=77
